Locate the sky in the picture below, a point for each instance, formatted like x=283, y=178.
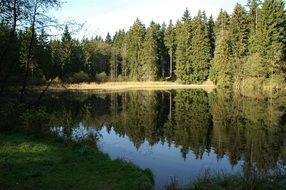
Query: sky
x=102, y=16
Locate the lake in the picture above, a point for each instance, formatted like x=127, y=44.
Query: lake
x=178, y=134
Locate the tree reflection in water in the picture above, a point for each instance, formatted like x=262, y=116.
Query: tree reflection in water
x=245, y=129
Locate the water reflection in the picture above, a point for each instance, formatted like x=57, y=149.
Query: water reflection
x=179, y=133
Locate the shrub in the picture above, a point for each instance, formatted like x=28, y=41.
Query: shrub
x=36, y=121
x=121, y=78
x=101, y=77
x=77, y=78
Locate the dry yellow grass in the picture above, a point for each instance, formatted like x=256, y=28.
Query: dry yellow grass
x=119, y=86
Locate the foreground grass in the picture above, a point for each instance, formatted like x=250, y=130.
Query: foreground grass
x=32, y=163
x=235, y=182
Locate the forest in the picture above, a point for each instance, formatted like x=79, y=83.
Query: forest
x=241, y=49
x=242, y=52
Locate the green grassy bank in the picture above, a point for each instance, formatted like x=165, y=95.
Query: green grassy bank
x=32, y=163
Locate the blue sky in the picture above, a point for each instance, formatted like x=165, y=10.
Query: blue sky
x=102, y=16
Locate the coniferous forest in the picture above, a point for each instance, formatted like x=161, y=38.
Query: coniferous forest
x=72, y=136
x=244, y=47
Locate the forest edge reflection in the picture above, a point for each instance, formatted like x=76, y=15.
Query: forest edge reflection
x=241, y=128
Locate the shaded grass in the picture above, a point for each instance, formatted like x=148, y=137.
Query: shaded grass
x=222, y=181
x=32, y=163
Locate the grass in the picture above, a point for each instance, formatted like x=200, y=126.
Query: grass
x=119, y=86
x=32, y=163
x=254, y=181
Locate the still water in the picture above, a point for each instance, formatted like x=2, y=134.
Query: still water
x=179, y=134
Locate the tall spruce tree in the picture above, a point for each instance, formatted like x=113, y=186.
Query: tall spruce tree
x=108, y=38
x=116, y=57
x=183, y=50
x=170, y=42
x=221, y=73
x=66, y=50
x=222, y=23
x=211, y=28
x=134, y=47
x=253, y=6
x=239, y=36
x=201, y=49
x=163, y=51
x=150, y=54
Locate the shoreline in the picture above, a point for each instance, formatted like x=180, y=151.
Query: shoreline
x=208, y=86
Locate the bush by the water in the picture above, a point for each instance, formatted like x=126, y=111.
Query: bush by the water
x=77, y=78
x=101, y=77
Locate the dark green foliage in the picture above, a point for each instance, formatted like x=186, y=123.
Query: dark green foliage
x=201, y=49
x=43, y=57
x=222, y=23
x=211, y=28
x=163, y=51
x=97, y=56
x=183, y=50
x=248, y=43
x=134, y=46
x=253, y=6
x=108, y=38
x=170, y=43
x=269, y=39
x=239, y=36
x=150, y=60
x=9, y=54
x=117, y=63
x=221, y=72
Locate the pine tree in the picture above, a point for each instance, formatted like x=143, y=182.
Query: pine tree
x=43, y=56
x=183, y=41
x=200, y=51
x=134, y=44
x=221, y=73
x=222, y=23
x=169, y=39
x=211, y=26
x=269, y=40
x=150, y=54
x=116, y=57
x=66, y=51
x=163, y=51
x=220, y=69
x=239, y=35
x=253, y=14
x=108, y=38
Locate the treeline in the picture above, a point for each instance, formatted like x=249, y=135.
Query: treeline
x=248, y=44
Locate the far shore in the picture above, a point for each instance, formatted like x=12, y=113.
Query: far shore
x=208, y=86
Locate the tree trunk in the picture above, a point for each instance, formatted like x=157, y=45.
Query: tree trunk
x=170, y=107
x=171, y=64
x=29, y=52
x=44, y=91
